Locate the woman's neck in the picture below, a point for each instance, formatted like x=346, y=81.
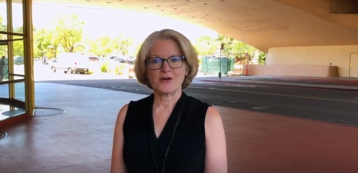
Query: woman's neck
x=166, y=100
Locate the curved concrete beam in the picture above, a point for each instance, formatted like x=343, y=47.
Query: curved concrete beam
x=261, y=23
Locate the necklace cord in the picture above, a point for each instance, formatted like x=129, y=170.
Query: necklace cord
x=170, y=141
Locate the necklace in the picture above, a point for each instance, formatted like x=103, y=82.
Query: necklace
x=170, y=141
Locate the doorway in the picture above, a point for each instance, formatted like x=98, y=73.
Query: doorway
x=353, y=65
x=13, y=92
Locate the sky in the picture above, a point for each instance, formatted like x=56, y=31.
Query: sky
x=108, y=22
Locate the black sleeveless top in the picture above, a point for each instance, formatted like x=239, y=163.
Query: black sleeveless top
x=142, y=150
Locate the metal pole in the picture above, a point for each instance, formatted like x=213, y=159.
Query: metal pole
x=247, y=65
x=221, y=48
x=28, y=53
x=10, y=50
x=220, y=66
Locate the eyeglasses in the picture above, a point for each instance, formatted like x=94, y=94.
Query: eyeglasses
x=156, y=63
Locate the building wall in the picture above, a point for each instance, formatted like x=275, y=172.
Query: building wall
x=316, y=56
x=292, y=70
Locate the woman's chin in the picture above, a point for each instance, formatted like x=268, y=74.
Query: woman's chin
x=166, y=90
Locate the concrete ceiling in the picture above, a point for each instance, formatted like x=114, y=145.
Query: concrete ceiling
x=260, y=23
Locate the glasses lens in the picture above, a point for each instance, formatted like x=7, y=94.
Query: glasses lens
x=175, y=61
x=155, y=63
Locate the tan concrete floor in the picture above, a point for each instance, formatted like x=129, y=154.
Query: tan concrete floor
x=80, y=141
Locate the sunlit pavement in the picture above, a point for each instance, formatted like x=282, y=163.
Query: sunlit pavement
x=81, y=139
x=256, y=141
x=44, y=73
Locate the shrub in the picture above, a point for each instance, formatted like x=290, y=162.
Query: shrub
x=116, y=68
x=104, y=67
x=119, y=68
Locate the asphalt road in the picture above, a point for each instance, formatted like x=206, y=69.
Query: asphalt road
x=324, y=105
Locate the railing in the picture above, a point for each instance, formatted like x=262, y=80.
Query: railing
x=15, y=80
x=11, y=101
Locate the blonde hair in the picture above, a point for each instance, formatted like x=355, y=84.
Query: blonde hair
x=185, y=47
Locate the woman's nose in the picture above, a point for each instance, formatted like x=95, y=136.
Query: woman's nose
x=166, y=66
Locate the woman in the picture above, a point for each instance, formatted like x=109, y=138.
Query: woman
x=168, y=131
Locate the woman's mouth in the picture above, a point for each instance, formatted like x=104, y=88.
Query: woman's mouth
x=165, y=79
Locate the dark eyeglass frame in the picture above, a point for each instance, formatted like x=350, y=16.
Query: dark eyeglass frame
x=164, y=59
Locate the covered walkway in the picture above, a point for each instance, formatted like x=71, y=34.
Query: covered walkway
x=80, y=140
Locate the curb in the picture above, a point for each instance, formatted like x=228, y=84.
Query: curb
x=339, y=81
x=314, y=86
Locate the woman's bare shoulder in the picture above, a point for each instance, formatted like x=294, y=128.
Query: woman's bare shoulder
x=213, y=114
x=122, y=114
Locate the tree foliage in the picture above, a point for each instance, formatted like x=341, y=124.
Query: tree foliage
x=19, y=43
x=2, y=37
x=19, y=48
x=42, y=41
x=69, y=32
x=122, y=44
x=101, y=46
x=207, y=45
x=46, y=42
x=67, y=36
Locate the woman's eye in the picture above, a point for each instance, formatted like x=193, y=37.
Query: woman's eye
x=154, y=61
x=176, y=59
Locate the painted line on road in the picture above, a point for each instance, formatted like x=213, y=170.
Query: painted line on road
x=260, y=107
x=282, y=95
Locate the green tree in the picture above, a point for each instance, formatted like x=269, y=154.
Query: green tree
x=262, y=57
x=18, y=43
x=235, y=48
x=3, y=47
x=69, y=32
x=55, y=42
x=46, y=42
x=42, y=42
x=19, y=48
x=2, y=27
x=229, y=44
x=101, y=46
x=205, y=45
x=122, y=43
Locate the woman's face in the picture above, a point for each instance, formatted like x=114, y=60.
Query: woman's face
x=169, y=78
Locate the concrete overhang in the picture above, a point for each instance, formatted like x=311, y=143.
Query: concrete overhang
x=261, y=23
